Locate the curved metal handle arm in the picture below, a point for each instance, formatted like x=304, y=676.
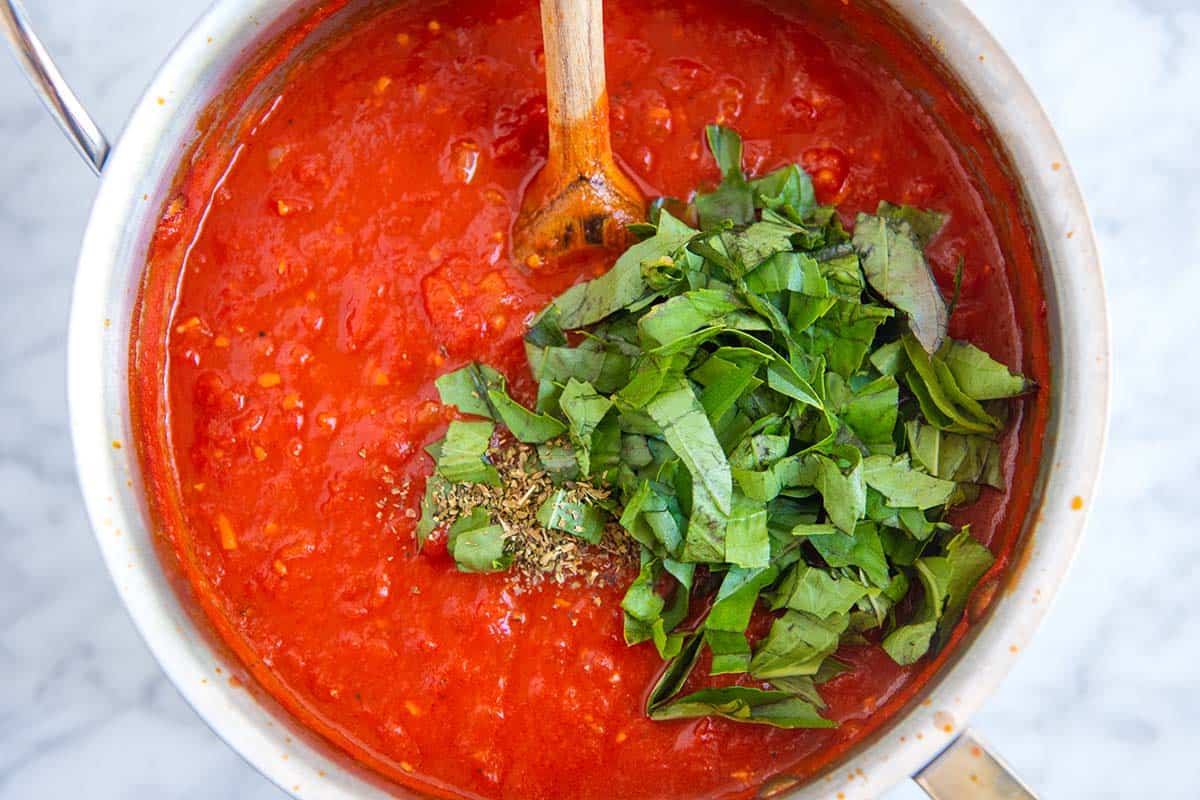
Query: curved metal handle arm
x=51, y=87
x=967, y=768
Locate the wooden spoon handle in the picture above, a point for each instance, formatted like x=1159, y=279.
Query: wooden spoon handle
x=576, y=102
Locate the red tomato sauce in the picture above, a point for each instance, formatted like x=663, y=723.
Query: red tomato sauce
x=325, y=261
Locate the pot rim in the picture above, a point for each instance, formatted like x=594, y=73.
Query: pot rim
x=105, y=293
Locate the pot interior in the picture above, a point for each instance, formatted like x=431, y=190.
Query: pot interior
x=215, y=87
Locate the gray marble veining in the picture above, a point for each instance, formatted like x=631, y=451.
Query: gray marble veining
x=1105, y=703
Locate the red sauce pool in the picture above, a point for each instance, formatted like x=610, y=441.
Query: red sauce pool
x=321, y=266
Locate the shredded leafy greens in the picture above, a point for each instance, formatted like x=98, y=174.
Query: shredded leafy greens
x=777, y=407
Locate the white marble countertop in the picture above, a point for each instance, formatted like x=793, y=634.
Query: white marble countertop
x=1104, y=704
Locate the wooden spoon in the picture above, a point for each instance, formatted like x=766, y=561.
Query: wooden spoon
x=580, y=199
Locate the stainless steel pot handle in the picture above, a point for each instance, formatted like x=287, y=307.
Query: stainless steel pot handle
x=968, y=769
x=51, y=87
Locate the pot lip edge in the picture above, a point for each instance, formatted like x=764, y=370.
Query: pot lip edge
x=1073, y=272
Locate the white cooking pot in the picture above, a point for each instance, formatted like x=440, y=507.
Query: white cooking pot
x=926, y=741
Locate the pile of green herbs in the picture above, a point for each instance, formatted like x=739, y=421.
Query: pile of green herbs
x=784, y=424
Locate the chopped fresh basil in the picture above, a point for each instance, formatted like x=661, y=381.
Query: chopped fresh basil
x=955, y=457
x=434, y=486
x=819, y=593
x=978, y=374
x=745, y=704
x=925, y=225
x=896, y=268
x=464, y=453
x=560, y=513
x=733, y=199
x=477, y=545
x=797, y=644
x=904, y=487
x=777, y=418
x=584, y=409
x=468, y=388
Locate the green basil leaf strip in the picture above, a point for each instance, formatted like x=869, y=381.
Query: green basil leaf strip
x=676, y=673
x=845, y=333
x=745, y=704
x=467, y=388
x=635, y=450
x=843, y=490
x=747, y=543
x=762, y=486
x=737, y=597
x=925, y=225
x=464, y=453
x=642, y=604
x=559, y=461
x=477, y=545
x=882, y=603
x=955, y=457
x=788, y=191
x=905, y=487
x=759, y=451
x=730, y=652
x=796, y=645
x=684, y=314
x=958, y=279
x=908, y=643
x=434, y=486
x=943, y=403
x=733, y=199
x=689, y=433
x=560, y=513
x=862, y=549
x=965, y=405
x=548, y=394
x=890, y=359
x=724, y=391
x=605, y=455
x=668, y=644
x=726, y=147
x=783, y=378
x=947, y=582
x=666, y=641
x=478, y=389
x=830, y=669
x=758, y=243
x=978, y=375
x=476, y=519
x=784, y=271
x=969, y=561
x=803, y=687
x=584, y=409
x=815, y=529
x=652, y=517
x=896, y=268
x=525, y=425
x=605, y=369
x=815, y=297
x=684, y=573
x=651, y=372
x=871, y=411
x=816, y=592
x=590, y=302
x=777, y=321
x=843, y=274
